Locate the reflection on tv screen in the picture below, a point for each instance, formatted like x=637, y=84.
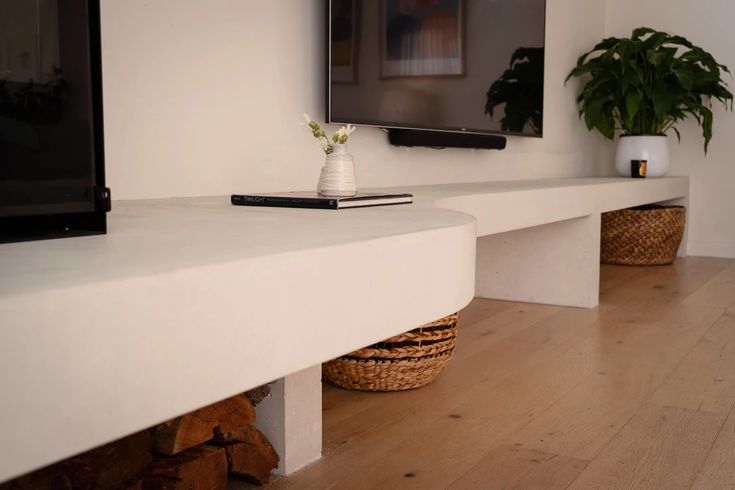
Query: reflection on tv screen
x=464, y=65
x=47, y=153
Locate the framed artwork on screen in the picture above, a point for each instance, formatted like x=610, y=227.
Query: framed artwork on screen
x=422, y=38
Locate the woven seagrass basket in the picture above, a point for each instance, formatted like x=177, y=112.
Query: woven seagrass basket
x=410, y=360
x=646, y=235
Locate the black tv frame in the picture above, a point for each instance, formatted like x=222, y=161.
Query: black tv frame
x=64, y=224
x=426, y=136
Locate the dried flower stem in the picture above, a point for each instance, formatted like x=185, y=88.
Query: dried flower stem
x=340, y=137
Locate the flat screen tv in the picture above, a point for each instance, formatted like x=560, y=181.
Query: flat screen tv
x=51, y=141
x=467, y=66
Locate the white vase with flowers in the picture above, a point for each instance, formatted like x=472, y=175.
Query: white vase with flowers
x=337, y=178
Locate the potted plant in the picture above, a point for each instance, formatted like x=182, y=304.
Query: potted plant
x=643, y=86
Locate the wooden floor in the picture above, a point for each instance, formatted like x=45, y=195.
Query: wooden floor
x=637, y=393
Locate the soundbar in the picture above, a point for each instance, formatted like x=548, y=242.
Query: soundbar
x=442, y=139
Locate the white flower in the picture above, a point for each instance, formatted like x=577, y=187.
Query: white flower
x=343, y=133
x=346, y=131
x=340, y=136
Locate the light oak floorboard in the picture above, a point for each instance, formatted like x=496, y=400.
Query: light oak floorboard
x=661, y=448
x=582, y=422
x=720, y=291
x=516, y=467
x=481, y=309
x=705, y=379
x=615, y=275
x=718, y=471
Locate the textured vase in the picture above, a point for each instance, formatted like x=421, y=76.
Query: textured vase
x=338, y=174
x=654, y=149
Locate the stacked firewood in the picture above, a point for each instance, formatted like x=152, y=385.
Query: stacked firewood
x=195, y=451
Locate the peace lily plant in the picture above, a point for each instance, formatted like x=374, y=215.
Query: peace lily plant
x=643, y=86
x=339, y=138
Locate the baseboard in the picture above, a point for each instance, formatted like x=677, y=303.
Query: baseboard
x=711, y=249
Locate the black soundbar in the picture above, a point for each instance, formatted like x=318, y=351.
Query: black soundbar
x=442, y=139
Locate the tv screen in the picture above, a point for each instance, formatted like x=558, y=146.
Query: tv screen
x=50, y=107
x=473, y=66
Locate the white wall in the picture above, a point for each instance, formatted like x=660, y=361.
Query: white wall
x=205, y=97
x=707, y=23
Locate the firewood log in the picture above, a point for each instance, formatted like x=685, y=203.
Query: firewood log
x=110, y=466
x=250, y=455
x=200, y=468
x=50, y=478
x=198, y=427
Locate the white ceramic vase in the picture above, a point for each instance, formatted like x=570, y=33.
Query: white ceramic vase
x=338, y=174
x=654, y=149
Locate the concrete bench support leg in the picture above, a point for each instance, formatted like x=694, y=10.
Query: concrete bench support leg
x=291, y=418
x=557, y=263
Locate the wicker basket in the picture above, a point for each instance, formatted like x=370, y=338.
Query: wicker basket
x=647, y=235
x=403, y=362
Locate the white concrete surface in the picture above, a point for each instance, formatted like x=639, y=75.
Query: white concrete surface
x=189, y=301
x=291, y=419
x=557, y=263
x=540, y=239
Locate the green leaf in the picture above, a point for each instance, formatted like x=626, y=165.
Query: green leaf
x=632, y=104
x=641, y=31
x=706, y=127
x=598, y=115
x=685, y=77
x=680, y=41
x=663, y=101
x=678, y=135
x=655, y=40
x=605, y=44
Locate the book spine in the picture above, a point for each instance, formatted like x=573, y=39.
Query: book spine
x=283, y=202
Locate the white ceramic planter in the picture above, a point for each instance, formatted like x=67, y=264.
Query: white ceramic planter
x=654, y=149
x=338, y=174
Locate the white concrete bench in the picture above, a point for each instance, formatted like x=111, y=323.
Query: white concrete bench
x=188, y=301
x=539, y=241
